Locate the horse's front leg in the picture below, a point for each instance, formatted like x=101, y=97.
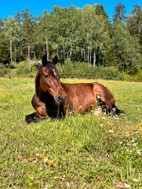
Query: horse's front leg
x=40, y=113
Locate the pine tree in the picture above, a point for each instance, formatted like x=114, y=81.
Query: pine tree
x=134, y=22
x=119, y=12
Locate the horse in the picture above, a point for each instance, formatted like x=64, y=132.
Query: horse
x=54, y=98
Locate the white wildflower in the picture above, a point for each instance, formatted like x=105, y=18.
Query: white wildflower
x=37, y=154
x=115, y=117
x=97, y=111
x=139, y=152
x=127, y=150
x=67, y=184
x=111, y=131
x=134, y=144
x=101, y=125
x=135, y=180
x=45, y=160
x=127, y=185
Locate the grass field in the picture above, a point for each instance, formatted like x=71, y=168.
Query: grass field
x=81, y=151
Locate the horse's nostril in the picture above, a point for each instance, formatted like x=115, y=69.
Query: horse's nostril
x=60, y=98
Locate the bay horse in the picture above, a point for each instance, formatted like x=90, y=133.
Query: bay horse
x=54, y=98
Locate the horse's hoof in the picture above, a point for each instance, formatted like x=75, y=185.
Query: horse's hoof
x=31, y=119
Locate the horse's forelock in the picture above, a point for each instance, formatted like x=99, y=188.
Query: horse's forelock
x=52, y=67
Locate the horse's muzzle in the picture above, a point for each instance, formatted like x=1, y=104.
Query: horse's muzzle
x=60, y=100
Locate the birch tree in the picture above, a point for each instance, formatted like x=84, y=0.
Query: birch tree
x=11, y=28
x=27, y=31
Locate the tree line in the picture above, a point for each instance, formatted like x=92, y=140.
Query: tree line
x=85, y=35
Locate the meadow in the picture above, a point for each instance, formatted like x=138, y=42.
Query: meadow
x=80, y=151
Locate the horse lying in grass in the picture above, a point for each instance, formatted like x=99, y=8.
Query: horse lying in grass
x=54, y=98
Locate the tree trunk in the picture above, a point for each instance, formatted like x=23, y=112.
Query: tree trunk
x=84, y=55
x=47, y=48
x=103, y=61
x=88, y=56
x=34, y=55
x=29, y=55
x=70, y=54
x=63, y=50
x=11, y=58
x=81, y=53
x=15, y=54
x=57, y=52
x=123, y=69
x=43, y=48
x=21, y=52
x=94, y=62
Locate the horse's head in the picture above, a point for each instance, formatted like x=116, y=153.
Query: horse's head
x=50, y=80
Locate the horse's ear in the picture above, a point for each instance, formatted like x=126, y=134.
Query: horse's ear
x=55, y=60
x=44, y=60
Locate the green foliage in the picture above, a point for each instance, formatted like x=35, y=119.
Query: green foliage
x=138, y=76
x=134, y=22
x=119, y=12
x=128, y=55
x=71, y=70
x=80, y=151
x=4, y=50
x=4, y=71
x=84, y=35
x=22, y=69
x=83, y=70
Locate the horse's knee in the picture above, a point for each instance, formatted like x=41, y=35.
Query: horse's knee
x=41, y=111
x=39, y=106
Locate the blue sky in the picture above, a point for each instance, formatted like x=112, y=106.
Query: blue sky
x=10, y=7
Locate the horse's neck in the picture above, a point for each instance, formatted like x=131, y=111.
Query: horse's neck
x=64, y=86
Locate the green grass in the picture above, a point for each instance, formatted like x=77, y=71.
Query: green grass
x=81, y=151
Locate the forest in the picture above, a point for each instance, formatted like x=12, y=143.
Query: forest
x=81, y=35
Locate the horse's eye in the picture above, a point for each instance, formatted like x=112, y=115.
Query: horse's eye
x=46, y=76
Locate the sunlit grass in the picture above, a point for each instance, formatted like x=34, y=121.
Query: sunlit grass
x=81, y=151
